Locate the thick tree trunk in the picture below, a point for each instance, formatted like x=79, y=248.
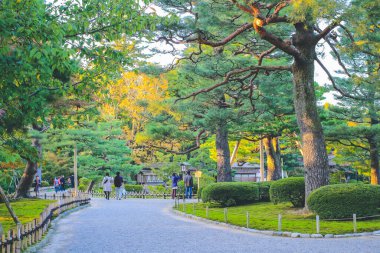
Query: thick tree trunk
x=26, y=180
x=223, y=153
x=313, y=143
x=272, y=150
x=8, y=205
x=374, y=157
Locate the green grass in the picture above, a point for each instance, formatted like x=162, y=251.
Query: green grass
x=25, y=209
x=264, y=216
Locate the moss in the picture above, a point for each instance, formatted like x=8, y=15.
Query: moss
x=25, y=209
x=264, y=216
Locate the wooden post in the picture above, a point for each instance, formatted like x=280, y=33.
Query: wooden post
x=18, y=236
x=279, y=222
x=75, y=170
x=354, y=222
x=225, y=215
x=207, y=212
x=317, y=223
x=9, y=238
x=247, y=219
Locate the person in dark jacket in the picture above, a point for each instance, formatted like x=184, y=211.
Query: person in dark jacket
x=188, y=180
x=118, y=182
x=175, y=179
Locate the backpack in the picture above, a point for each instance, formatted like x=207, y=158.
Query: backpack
x=118, y=181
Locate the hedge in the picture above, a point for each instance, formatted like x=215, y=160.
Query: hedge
x=343, y=200
x=133, y=188
x=288, y=189
x=264, y=191
x=231, y=193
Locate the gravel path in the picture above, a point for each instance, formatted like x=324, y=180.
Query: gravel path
x=138, y=225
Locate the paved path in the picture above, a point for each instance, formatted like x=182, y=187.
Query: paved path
x=138, y=225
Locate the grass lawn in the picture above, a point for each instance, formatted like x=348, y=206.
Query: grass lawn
x=25, y=209
x=264, y=216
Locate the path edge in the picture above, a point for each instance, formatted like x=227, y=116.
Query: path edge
x=39, y=245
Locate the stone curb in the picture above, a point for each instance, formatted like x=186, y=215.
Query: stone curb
x=276, y=233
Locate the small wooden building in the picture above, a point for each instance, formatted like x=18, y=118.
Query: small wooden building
x=246, y=172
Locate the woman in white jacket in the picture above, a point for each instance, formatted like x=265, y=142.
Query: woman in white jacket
x=107, y=185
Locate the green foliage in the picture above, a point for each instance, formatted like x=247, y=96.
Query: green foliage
x=231, y=194
x=84, y=183
x=264, y=188
x=343, y=200
x=159, y=189
x=133, y=188
x=288, y=189
x=45, y=183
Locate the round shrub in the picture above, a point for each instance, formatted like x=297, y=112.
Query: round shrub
x=288, y=189
x=45, y=183
x=231, y=193
x=133, y=187
x=342, y=200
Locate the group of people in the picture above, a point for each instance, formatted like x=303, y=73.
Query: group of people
x=60, y=183
x=188, y=182
x=117, y=181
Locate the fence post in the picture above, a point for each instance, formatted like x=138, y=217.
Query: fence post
x=279, y=222
x=206, y=212
x=18, y=243
x=354, y=221
x=225, y=215
x=1, y=238
x=247, y=219
x=193, y=208
x=317, y=223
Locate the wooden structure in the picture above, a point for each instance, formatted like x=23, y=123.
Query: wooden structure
x=147, y=176
x=246, y=172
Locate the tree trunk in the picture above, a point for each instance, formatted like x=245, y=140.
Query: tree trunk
x=223, y=153
x=9, y=207
x=272, y=150
x=374, y=157
x=234, y=152
x=313, y=143
x=26, y=180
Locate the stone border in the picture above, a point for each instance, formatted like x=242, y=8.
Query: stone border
x=275, y=233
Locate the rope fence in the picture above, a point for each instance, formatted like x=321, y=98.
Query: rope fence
x=248, y=220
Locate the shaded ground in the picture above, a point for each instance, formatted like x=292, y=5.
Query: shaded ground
x=138, y=225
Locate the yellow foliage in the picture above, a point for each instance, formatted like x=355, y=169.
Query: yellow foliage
x=326, y=106
x=352, y=124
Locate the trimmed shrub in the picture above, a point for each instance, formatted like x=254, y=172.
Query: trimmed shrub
x=45, y=183
x=288, y=189
x=264, y=187
x=231, y=193
x=133, y=187
x=342, y=200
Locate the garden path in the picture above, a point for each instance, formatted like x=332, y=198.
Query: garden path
x=138, y=225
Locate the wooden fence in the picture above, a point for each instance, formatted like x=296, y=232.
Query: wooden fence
x=18, y=239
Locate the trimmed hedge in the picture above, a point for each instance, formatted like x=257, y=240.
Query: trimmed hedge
x=231, y=193
x=133, y=187
x=288, y=189
x=264, y=187
x=342, y=200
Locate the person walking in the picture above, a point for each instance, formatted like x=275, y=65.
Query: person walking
x=188, y=180
x=62, y=182
x=175, y=179
x=37, y=184
x=118, y=182
x=56, y=184
x=107, y=185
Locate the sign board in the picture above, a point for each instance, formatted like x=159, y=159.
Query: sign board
x=198, y=173
x=183, y=168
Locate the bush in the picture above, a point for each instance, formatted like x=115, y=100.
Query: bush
x=264, y=187
x=45, y=183
x=84, y=183
x=133, y=187
x=288, y=189
x=231, y=193
x=343, y=200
